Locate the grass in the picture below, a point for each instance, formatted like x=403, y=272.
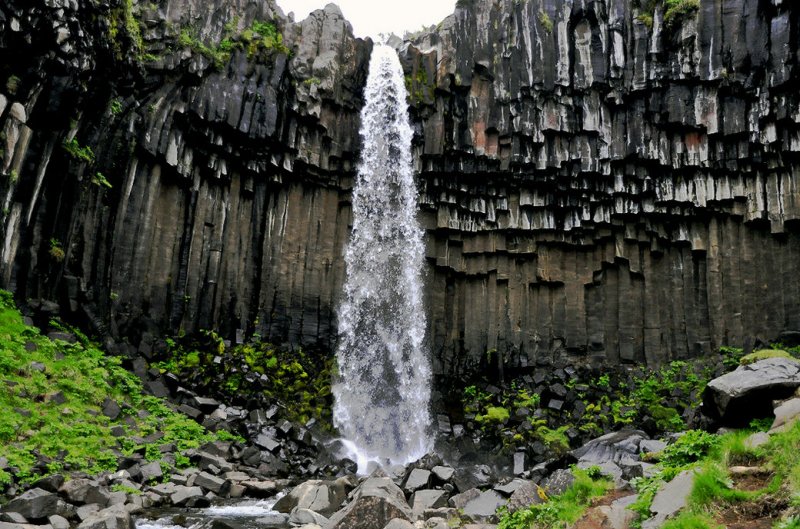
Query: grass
x=561, y=511
x=714, y=491
x=51, y=394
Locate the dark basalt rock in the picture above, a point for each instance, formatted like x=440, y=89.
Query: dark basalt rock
x=592, y=188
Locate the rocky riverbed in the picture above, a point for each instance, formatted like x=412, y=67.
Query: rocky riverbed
x=284, y=475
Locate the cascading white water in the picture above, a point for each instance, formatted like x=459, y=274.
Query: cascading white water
x=381, y=397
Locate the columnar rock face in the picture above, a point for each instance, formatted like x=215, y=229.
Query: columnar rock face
x=596, y=180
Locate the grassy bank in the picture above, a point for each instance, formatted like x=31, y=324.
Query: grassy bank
x=52, y=396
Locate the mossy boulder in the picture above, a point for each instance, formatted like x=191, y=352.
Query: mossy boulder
x=763, y=354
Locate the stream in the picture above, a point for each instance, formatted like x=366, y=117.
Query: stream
x=231, y=514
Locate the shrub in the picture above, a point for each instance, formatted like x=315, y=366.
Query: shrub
x=677, y=10
x=77, y=152
x=56, y=251
x=560, y=511
x=690, y=447
x=545, y=21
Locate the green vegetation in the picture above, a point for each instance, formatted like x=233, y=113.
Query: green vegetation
x=419, y=87
x=763, y=354
x=678, y=10
x=561, y=511
x=675, y=11
x=56, y=251
x=312, y=81
x=260, y=36
x=123, y=18
x=715, y=490
x=51, y=395
x=116, y=107
x=77, y=152
x=545, y=21
x=494, y=415
x=100, y=180
x=292, y=377
x=12, y=84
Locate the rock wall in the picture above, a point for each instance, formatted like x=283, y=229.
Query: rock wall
x=598, y=181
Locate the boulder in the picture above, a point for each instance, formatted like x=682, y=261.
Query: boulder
x=116, y=517
x=611, y=447
x=670, y=499
x=58, y=522
x=417, y=479
x=399, y=523
x=527, y=494
x=49, y=483
x=375, y=503
x=35, y=504
x=483, y=508
x=427, y=499
x=259, y=488
x=306, y=516
x=443, y=473
x=558, y=482
x=151, y=472
x=738, y=397
x=756, y=440
x=11, y=525
x=12, y=517
x=323, y=497
x=187, y=496
x=212, y=483
x=76, y=489
x=614, y=516
x=84, y=512
x=785, y=415
x=470, y=477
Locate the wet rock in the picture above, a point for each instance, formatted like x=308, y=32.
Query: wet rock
x=260, y=489
x=323, y=497
x=374, y=504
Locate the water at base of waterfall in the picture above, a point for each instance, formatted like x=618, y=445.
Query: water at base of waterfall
x=382, y=394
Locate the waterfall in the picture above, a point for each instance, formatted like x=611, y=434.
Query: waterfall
x=382, y=393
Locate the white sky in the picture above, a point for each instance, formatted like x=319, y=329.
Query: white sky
x=371, y=17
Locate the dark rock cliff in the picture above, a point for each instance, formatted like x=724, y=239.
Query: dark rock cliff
x=596, y=182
